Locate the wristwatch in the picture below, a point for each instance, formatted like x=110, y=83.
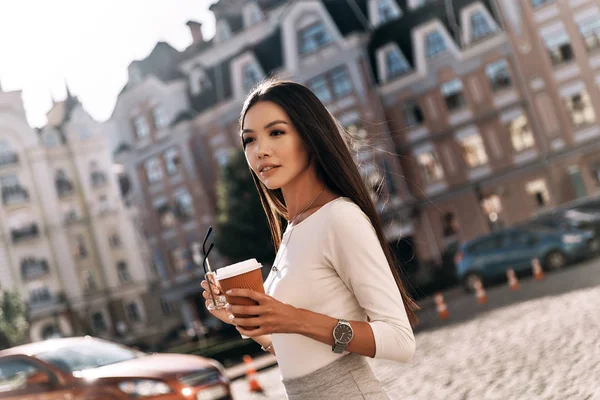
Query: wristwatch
x=342, y=335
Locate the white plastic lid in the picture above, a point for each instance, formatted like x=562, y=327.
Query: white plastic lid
x=238, y=269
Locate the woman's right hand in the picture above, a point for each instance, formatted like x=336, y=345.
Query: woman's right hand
x=220, y=312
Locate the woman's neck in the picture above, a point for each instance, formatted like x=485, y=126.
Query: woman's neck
x=299, y=195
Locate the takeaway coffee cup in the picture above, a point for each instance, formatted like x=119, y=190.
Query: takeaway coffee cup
x=243, y=275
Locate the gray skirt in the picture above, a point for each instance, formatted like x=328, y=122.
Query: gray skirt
x=349, y=378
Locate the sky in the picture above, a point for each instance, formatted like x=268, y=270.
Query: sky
x=88, y=44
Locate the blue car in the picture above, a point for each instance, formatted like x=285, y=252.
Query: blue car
x=488, y=257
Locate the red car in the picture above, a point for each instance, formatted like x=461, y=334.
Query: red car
x=87, y=368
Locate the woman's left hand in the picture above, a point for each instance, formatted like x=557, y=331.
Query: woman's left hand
x=270, y=315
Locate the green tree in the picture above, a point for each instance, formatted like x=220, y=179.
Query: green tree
x=242, y=227
x=13, y=319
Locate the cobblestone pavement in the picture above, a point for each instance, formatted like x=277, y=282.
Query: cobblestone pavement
x=542, y=348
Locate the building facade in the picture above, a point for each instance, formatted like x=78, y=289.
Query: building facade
x=67, y=245
x=467, y=115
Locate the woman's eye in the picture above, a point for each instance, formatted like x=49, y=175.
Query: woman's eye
x=247, y=141
x=276, y=133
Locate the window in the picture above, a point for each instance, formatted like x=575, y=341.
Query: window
x=184, y=205
x=414, y=4
x=449, y=224
x=40, y=295
x=320, y=88
x=590, y=31
x=252, y=14
x=559, y=48
x=142, y=130
x=80, y=247
x=341, y=82
x=99, y=322
x=431, y=169
x=521, y=135
x=498, y=75
x=396, y=64
x=154, y=171
x=7, y=155
x=250, y=76
x=480, y=27
x=89, y=282
x=159, y=117
x=313, y=37
x=473, y=150
x=13, y=376
x=12, y=191
x=492, y=207
x=167, y=307
x=133, y=312
x=538, y=3
x=386, y=11
x=434, y=44
x=114, y=240
x=223, y=31
x=412, y=113
x=172, y=161
x=123, y=272
x=166, y=216
x=539, y=192
x=579, y=107
x=452, y=92
x=178, y=259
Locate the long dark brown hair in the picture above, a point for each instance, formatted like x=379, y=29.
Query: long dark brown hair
x=334, y=164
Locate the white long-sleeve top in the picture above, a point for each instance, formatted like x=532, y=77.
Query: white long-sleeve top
x=332, y=263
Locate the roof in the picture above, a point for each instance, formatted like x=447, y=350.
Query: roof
x=45, y=345
x=399, y=31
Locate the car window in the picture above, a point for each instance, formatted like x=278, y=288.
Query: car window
x=523, y=238
x=14, y=373
x=490, y=244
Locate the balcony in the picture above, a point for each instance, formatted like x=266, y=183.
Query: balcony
x=64, y=187
x=8, y=159
x=27, y=232
x=12, y=195
x=34, y=269
x=98, y=179
x=42, y=303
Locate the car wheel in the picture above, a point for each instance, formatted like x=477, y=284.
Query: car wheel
x=555, y=260
x=469, y=281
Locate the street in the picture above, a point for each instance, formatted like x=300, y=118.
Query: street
x=540, y=342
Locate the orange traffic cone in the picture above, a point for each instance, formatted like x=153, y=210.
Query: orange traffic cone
x=442, y=309
x=480, y=293
x=251, y=376
x=538, y=273
x=513, y=282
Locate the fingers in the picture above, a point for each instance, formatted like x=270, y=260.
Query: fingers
x=252, y=333
x=245, y=310
x=215, y=288
x=252, y=321
x=249, y=293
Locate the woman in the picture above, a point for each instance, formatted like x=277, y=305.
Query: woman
x=333, y=296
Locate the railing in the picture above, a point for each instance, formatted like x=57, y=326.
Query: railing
x=14, y=195
x=24, y=233
x=9, y=159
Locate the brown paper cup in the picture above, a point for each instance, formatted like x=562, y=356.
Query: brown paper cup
x=244, y=275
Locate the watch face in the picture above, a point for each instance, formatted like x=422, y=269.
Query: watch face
x=343, y=334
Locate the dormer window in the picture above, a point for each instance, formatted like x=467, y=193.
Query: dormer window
x=223, y=31
x=198, y=81
x=250, y=76
x=435, y=44
x=252, y=14
x=396, y=64
x=382, y=11
x=313, y=38
x=480, y=26
x=142, y=130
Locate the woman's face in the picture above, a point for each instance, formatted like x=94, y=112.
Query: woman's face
x=274, y=149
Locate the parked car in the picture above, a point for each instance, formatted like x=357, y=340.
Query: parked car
x=488, y=257
x=86, y=368
x=569, y=219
